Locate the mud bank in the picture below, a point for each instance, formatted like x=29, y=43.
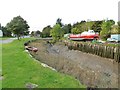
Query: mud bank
x=91, y=70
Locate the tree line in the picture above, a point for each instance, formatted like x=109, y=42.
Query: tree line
x=104, y=27
x=19, y=27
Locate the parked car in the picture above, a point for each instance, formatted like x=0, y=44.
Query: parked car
x=114, y=38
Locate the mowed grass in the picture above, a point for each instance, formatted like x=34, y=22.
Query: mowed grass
x=18, y=69
x=0, y=65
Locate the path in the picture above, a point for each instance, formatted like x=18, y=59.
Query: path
x=7, y=40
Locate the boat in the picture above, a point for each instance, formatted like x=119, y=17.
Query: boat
x=86, y=35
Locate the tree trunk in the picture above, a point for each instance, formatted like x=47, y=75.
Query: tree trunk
x=18, y=36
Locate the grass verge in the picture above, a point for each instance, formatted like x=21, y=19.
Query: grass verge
x=19, y=69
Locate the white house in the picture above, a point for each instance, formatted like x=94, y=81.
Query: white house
x=1, y=33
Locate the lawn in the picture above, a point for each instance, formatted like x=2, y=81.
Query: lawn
x=18, y=69
x=0, y=64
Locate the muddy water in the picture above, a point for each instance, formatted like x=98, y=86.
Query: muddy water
x=91, y=70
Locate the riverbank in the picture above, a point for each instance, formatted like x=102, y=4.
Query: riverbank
x=91, y=70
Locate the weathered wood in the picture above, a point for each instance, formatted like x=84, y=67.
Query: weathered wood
x=97, y=49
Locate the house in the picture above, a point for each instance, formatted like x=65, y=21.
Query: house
x=1, y=33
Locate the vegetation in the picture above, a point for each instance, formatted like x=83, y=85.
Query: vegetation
x=97, y=26
x=38, y=33
x=119, y=27
x=75, y=31
x=46, y=31
x=58, y=21
x=6, y=33
x=19, y=69
x=18, y=26
x=106, y=29
x=56, y=32
x=67, y=28
x=0, y=65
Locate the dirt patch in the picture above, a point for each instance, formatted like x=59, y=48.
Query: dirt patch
x=91, y=70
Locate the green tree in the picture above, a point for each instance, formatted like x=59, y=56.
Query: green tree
x=114, y=29
x=75, y=31
x=78, y=27
x=118, y=27
x=18, y=26
x=37, y=33
x=83, y=26
x=32, y=34
x=97, y=26
x=67, y=28
x=89, y=25
x=26, y=32
x=111, y=21
x=57, y=32
x=46, y=31
x=6, y=33
x=106, y=29
x=0, y=27
x=58, y=21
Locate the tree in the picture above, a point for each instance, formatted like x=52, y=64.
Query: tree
x=111, y=21
x=118, y=27
x=26, y=32
x=97, y=26
x=0, y=27
x=115, y=30
x=6, y=33
x=59, y=22
x=89, y=25
x=17, y=26
x=75, y=31
x=56, y=32
x=46, y=31
x=78, y=27
x=67, y=28
x=32, y=33
x=106, y=29
x=37, y=33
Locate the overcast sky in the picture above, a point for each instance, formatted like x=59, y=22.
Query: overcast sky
x=40, y=13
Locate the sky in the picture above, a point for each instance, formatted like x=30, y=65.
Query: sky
x=41, y=13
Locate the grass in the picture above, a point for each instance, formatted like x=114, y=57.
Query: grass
x=0, y=65
x=19, y=69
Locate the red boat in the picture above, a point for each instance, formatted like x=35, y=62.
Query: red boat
x=86, y=35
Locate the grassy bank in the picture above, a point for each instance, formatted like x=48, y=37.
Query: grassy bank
x=19, y=69
x=0, y=65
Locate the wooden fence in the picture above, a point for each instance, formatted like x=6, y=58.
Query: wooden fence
x=96, y=49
